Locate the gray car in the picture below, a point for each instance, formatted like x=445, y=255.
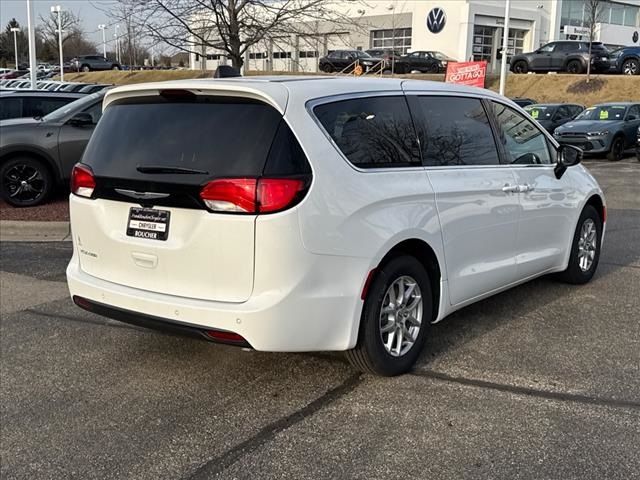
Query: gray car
x=90, y=63
x=563, y=56
x=36, y=156
x=608, y=128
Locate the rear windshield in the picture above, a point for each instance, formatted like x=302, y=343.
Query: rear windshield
x=210, y=136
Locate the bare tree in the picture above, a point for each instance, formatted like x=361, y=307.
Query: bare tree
x=233, y=26
x=592, y=15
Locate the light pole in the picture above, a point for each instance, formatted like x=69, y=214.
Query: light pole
x=15, y=31
x=57, y=9
x=32, y=44
x=104, y=41
x=505, y=47
x=115, y=35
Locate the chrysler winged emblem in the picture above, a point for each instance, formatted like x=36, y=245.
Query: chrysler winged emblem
x=141, y=195
x=436, y=20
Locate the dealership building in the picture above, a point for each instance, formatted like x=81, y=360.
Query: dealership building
x=461, y=29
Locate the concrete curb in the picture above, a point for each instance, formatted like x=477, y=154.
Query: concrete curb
x=22, y=231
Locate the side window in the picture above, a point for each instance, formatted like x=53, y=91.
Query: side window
x=454, y=131
x=39, y=107
x=548, y=48
x=10, y=108
x=523, y=142
x=634, y=113
x=374, y=132
x=575, y=110
x=563, y=113
x=95, y=111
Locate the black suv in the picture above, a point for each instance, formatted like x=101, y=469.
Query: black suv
x=38, y=154
x=427, y=61
x=345, y=60
x=90, y=63
x=565, y=56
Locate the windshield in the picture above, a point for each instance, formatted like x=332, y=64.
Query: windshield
x=360, y=54
x=540, y=112
x=76, y=106
x=603, y=113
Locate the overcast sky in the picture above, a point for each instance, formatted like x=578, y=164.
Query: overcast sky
x=88, y=11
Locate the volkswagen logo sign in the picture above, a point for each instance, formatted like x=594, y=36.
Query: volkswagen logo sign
x=436, y=20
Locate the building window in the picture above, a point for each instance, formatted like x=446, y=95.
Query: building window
x=398, y=39
x=309, y=54
x=632, y=16
x=575, y=13
x=257, y=56
x=482, y=43
x=281, y=55
x=214, y=56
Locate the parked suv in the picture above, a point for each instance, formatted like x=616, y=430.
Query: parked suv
x=329, y=229
x=37, y=155
x=608, y=128
x=427, y=61
x=89, y=63
x=625, y=60
x=345, y=60
x=565, y=56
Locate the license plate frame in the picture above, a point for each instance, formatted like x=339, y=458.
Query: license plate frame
x=148, y=223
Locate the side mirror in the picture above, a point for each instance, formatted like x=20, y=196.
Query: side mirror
x=81, y=120
x=568, y=156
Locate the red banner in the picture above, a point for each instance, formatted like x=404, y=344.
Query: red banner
x=467, y=73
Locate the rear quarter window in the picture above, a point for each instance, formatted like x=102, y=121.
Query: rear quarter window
x=372, y=132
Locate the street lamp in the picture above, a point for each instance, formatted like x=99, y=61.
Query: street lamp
x=15, y=31
x=104, y=41
x=58, y=9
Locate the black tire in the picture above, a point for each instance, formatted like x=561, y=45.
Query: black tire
x=327, y=68
x=521, y=66
x=574, y=274
x=631, y=67
x=25, y=182
x=115, y=67
x=434, y=68
x=370, y=354
x=617, y=149
x=574, y=67
x=85, y=68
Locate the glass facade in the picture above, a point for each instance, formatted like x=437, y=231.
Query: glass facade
x=396, y=39
x=575, y=13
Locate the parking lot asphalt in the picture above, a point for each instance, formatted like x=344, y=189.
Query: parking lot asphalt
x=542, y=381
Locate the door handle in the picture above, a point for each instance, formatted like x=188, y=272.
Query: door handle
x=525, y=188
x=511, y=188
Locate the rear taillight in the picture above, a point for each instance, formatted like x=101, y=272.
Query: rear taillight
x=83, y=183
x=250, y=195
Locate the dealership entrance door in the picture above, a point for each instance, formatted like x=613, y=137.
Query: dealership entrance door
x=487, y=43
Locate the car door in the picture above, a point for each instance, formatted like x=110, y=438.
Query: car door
x=560, y=54
x=541, y=60
x=547, y=204
x=72, y=139
x=562, y=116
x=475, y=194
x=631, y=124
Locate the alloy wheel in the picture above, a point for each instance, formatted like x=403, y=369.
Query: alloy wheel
x=401, y=316
x=631, y=68
x=587, y=243
x=24, y=183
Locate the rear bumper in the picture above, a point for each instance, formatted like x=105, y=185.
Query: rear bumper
x=311, y=316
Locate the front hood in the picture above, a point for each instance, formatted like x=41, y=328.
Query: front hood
x=583, y=126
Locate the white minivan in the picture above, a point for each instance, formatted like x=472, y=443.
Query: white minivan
x=298, y=214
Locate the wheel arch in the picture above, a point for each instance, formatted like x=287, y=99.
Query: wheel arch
x=573, y=58
x=427, y=257
x=597, y=202
x=49, y=162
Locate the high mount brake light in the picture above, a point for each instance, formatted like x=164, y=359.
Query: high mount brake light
x=83, y=183
x=250, y=195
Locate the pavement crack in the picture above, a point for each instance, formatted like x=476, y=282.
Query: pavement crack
x=532, y=392
x=220, y=463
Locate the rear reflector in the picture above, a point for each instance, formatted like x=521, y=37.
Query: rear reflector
x=83, y=183
x=225, y=337
x=250, y=195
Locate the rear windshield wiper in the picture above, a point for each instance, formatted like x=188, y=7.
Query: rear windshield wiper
x=165, y=169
